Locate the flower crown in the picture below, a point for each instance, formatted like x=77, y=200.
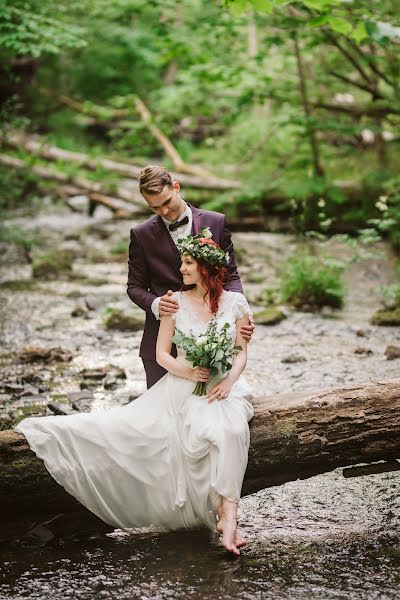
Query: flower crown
x=198, y=246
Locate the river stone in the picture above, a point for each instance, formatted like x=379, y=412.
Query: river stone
x=29, y=390
x=269, y=316
x=115, y=318
x=110, y=382
x=13, y=388
x=61, y=408
x=82, y=395
x=386, y=317
x=33, y=353
x=100, y=373
x=362, y=350
x=79, y=311
x=51, y=266
x=392, y=352
x=293, y=358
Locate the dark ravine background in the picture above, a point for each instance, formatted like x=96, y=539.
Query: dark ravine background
x=326, y=537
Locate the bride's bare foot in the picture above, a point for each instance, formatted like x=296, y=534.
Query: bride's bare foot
x=229, y=536
x=239, y=539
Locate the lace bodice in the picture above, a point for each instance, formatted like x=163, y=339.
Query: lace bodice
x=232, y=306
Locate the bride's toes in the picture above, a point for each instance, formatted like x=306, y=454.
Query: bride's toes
x=230, y=547
x=240, y=540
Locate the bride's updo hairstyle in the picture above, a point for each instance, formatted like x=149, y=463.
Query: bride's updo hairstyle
x=212, y=261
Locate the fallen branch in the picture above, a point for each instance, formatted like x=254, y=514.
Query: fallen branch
x=293, y=436
x=38, y=147
x=92, y=187
x=107, y=114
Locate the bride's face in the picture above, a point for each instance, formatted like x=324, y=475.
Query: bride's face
x=190, y=270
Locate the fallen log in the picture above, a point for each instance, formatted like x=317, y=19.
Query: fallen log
x=92, y=187
x=38, y=147
x=293, y=436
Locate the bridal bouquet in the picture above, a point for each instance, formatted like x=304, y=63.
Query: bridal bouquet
x=213, y=350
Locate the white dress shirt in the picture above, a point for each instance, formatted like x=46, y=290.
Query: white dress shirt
x=178, y=233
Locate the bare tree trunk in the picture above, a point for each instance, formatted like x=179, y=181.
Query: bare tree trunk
x=306, y=107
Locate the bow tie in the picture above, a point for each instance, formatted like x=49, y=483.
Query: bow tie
x=174, y=226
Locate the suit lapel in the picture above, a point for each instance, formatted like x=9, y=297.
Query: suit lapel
x=164, y=242
x=197, y=220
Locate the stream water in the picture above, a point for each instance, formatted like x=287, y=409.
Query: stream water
x=325, y=537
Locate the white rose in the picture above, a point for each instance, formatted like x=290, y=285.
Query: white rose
x=207, y=233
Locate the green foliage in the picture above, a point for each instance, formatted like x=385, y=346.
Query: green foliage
x=388, y=207
x=121, y=247
x=18, y=188
x=53, y=265
x=391, y=295
x=26, y=239
x=115, y=319
x=310, y=281
x=33, y=28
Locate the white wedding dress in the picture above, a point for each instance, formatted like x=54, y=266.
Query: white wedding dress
x=165, y=460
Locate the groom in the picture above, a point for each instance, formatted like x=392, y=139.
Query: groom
x=154, y=260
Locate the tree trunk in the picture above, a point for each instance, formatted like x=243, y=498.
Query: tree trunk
x=293, y=436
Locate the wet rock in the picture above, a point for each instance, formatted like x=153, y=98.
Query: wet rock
x=91, y=303
x=13, y=388
x=99, y=373
x=110, y=382
x=34, y=377
x=61, y=408
x=40, y=535
x=362, y=350
x=29, y=390
x=84, y=405
x=386, y=317
x=53, y=265
x=82, y=395
x=269, y=316
x=114, y=318
x=293, y=358
x=392, y=352
x=81, y=401
x=361, y=333
x=79, y=311
x=32, y=354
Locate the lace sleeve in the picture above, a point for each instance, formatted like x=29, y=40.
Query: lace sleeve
x=242, y=307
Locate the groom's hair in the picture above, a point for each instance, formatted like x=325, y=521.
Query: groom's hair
x=153, y=179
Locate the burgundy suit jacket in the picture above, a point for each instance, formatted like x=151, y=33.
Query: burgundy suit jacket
x=154, y=264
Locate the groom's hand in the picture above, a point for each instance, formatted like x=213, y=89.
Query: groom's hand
x=168, y=305
x=247, y=330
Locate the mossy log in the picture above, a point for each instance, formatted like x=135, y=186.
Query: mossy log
x=293, y=436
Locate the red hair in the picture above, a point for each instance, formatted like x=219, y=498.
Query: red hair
x=212, y=277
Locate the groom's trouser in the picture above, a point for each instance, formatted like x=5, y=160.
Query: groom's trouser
x=153, y=372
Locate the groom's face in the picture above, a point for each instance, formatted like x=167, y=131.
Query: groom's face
x=167, y=203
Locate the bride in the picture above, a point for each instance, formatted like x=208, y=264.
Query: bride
x=169, y=459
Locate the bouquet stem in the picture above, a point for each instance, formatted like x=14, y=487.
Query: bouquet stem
x=200, y=389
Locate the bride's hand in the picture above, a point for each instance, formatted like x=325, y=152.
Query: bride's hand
x=220, y=391
x=200, y=374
